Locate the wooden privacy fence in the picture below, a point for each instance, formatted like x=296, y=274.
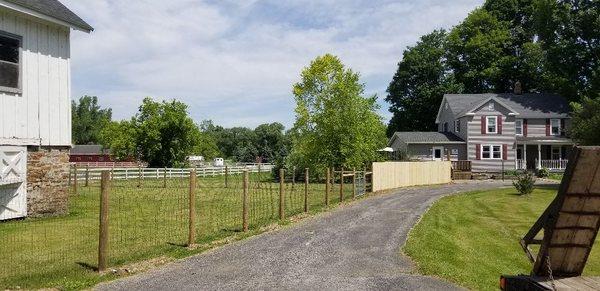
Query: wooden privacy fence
x=391, y=175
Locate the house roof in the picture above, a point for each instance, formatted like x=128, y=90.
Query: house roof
x=533, y=105
x=427, y=137
x=54, y=9
x=91, y=149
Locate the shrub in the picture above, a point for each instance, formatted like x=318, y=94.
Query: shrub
x=543, y=173
x=524, y=183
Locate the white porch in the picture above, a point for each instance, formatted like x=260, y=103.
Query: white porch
x=550, y=154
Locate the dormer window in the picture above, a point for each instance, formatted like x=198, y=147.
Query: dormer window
x=492, y=124
x=447, y=105
x=491, y=106
x=10, y=62
x=457, y=125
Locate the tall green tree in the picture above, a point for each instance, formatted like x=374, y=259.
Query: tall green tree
x=88, y=119
x=271, y=141
x=166, y=135
x=478, y=52
x=121, y=138
x=569, y=33
x=335, y=124
x=419, y=84
x=585, y=127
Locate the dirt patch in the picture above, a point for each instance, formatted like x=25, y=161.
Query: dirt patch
x=139, y=266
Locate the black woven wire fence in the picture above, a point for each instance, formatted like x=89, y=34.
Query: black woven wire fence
x=149, y=217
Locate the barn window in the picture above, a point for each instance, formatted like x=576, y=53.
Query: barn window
x=10, y=62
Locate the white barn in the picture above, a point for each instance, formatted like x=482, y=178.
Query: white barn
x=35, y=106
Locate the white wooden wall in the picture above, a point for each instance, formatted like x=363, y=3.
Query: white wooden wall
x=13, y=182
x=41, y=115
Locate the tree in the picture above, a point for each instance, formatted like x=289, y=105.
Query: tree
x=88, y=119
x=335, y=125
x=206, y=146
x=478, y=52
x=120, y=137
x=569, y=34
x=585, y=127
x=166, y=135
x=271, y=141
x=419, y=84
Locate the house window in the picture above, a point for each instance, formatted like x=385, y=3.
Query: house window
x=491, y=152
x=492, y=124
x=445, y=126
x=555, y=126
x=556, y=153
x=519, y=126
x=457, y=125
x=10, y=60
x=491, y=106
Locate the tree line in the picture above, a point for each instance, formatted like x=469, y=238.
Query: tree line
x=336, y=126
x=163, y=134
x=547, y=45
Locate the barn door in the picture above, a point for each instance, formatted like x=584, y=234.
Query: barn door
x=13, y=182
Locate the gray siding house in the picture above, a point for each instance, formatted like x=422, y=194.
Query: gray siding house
x=514, y=131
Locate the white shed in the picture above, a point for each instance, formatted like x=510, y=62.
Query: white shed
x=35, y=105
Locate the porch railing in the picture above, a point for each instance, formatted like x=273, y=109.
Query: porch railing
x=554, y=164
x=521, y=165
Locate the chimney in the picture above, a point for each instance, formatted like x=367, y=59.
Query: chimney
x=518, y=88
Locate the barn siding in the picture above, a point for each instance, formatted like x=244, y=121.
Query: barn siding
x=507, y=137
x=425, y=151
x=42, y=112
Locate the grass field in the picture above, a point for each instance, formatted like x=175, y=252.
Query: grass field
x=471, y=239
x=145, y=222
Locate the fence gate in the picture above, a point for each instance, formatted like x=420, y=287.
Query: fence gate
x=13, y=182
x=361, y=183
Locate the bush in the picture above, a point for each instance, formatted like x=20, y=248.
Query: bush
x=524, y=183
x=543, y=173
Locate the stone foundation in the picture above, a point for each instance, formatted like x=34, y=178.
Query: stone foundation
x=47, y=181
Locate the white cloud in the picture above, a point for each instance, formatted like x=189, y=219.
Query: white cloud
x=235, y=61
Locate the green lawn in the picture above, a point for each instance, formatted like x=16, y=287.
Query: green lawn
x=471, y=239
x=145, y=222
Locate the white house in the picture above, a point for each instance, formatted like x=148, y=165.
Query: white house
x=35, y=106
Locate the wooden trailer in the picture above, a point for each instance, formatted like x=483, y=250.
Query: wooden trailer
x=569, y=226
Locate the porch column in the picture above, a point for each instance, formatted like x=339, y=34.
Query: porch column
x=525, y=155
x=539, y=161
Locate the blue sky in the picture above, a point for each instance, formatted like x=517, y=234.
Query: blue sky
x=235, y=61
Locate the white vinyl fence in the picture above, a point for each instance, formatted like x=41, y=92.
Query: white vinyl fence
x=159, y=173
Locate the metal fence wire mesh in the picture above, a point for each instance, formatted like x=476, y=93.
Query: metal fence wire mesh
x=149, y=216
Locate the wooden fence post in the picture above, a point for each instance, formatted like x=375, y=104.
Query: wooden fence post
x=192, y=212
x=165, y=178
x=139, y=177
x=293, y=177
x=306, y=190
x=327, y=185
x=87, y=176
x=245, y=203
x=103, y=231
x=75, y=179
x=281, y=194
x=341, y=184
x=226, y=175
x=353, y=182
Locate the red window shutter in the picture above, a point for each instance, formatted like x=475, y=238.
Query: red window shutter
x=547, y=127
x=562, y=127
x=505, y=152
x=483, y=124
x=524, y=127
x=499, y=124
x=478, y=151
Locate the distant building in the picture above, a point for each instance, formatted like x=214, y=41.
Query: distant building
x=89, y=154
x=495, y=132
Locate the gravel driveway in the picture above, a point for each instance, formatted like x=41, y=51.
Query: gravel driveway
x=356, y=247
